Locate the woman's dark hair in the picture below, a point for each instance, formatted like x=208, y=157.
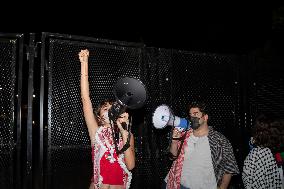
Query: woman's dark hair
x=278, y=127
x=268, y=132
x=101, y=104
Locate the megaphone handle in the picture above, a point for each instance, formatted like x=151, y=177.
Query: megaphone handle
x=127, y=144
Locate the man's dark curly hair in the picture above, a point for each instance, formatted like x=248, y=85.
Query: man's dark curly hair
x=200, y=105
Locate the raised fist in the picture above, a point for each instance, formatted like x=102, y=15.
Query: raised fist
x=84, y=56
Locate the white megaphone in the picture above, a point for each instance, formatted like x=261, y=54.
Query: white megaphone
x=163, y=117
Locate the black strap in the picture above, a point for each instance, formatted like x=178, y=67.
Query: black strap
x=115, y=135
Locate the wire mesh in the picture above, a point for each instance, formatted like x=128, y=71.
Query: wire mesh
x=7, y=107
x=68, y=142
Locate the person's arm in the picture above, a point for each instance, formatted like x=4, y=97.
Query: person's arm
x=129, y=153
x=229, y=163
x=89, y=116
x=174, y=144
x=225, y=181
x=174, y=147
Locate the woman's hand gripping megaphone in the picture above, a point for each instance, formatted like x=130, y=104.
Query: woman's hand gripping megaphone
x=122, y=123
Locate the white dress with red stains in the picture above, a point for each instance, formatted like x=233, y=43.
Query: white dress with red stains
x=108, y=167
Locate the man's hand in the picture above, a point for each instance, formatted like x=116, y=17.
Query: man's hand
x=176, y=134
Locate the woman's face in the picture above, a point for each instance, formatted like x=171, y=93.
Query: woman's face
x=104, y=111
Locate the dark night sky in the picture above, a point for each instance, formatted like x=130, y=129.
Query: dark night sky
x=230, y=30
x=222, y=29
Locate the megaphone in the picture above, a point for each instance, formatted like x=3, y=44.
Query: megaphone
x=129, y=93
x=163, y=117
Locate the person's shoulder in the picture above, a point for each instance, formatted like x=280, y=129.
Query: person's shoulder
x=261, y=150
x=260, y=154
x=218, y=137
x=216, y=133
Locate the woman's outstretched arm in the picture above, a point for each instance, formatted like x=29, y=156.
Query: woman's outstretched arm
x=89, y=116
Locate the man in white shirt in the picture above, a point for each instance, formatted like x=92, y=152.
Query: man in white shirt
x=204, y=157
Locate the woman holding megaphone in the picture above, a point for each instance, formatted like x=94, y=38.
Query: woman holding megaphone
x=111, y=170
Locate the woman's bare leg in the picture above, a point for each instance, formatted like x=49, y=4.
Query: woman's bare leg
x=116, y=187
x=106, y=186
